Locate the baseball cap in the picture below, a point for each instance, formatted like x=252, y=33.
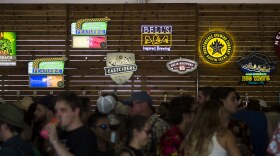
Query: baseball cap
x=105, y=104
x=140, y=96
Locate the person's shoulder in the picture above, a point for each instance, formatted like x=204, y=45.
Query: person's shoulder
x=8, y=151
x=227, y=135
x=154, y=119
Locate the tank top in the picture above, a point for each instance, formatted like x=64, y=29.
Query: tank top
x=217, y=149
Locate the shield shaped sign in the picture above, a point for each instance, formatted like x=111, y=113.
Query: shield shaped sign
x=182, y=65
x=120, y=66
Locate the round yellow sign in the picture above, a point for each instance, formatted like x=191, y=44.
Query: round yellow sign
x=216, y=47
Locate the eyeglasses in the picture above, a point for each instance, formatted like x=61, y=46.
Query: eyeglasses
x=104, y=127
x=147, y=131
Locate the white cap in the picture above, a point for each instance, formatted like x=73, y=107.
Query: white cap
x=105, y=104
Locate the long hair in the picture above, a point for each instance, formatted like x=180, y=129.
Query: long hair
x=208, y=121
x=135, y=122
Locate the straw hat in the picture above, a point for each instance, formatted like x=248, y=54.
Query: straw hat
x=12, y=115
x=25, y=103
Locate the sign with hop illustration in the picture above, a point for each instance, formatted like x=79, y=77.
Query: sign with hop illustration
x=120, y=66
x=7, y=49
x=46, y=72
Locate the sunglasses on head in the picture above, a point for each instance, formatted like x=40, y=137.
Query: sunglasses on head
x=104, y=126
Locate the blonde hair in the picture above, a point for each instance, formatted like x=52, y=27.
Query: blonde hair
x=207, y=122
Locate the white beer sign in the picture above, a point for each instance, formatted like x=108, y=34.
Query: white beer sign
x=120, y=66
x=182, y=65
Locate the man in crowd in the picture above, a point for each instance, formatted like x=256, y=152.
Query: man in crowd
x=141, y=104
x=204, y=94
x=11, y=125
x=78, y=139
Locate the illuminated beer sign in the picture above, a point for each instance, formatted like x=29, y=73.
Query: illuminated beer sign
x=90, y=33
x=46, y=72
x=7, y=49
x=156, y=37
x=257, y=68
x=216, y=47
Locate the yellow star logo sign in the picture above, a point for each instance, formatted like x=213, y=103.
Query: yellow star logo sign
x=216, y=47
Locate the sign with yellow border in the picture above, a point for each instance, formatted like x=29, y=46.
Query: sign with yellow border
x=216, y=47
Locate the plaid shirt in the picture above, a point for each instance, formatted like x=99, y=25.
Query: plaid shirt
x=170, y=142
x=158, y=128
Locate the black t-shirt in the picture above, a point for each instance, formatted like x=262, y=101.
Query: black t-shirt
x=80, y=142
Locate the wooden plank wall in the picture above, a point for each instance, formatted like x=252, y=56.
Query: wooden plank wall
x=253, y=28
x=44, y=31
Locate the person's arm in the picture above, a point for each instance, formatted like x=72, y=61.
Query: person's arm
x=57, y=146
x=230, y=144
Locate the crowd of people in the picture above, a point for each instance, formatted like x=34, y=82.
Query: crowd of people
x=215, y=123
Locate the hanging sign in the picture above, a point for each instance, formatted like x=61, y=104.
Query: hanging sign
x=257, y=68
x=156, y=37
x=90, y=33
x=7, y=49
x=46, y=72
x=216, y=47
x=120, y=66
x=46, y=81
x=277, y=44
x=182, y=65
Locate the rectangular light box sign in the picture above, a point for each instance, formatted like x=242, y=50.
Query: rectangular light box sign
x=94, y=42
x=7, y=49
x=156, y=37
x=46, y=81
x=55, y=67
x=91, y=28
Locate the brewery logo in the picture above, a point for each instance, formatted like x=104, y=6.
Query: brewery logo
x=182, y=65
x=120, y=66
x=156, y=37
x=216, y=47
x=257, y=68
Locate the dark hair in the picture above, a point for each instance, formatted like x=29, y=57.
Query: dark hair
x=253, y=104
x=29, y=114
x=179, y=106
x=134, y=122
x=206, y=91
x=48, y=101
x=93, y=119
x=165, y=105
x=71, y=99
x=221, y=93
x=85, y=103
x=12, y=128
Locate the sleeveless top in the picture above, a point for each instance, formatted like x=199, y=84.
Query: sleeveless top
x=217, y=149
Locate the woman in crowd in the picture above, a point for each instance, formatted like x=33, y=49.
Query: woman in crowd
x=136, y=131
x=208, y=136
x=100, y=125
x=230, y=105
